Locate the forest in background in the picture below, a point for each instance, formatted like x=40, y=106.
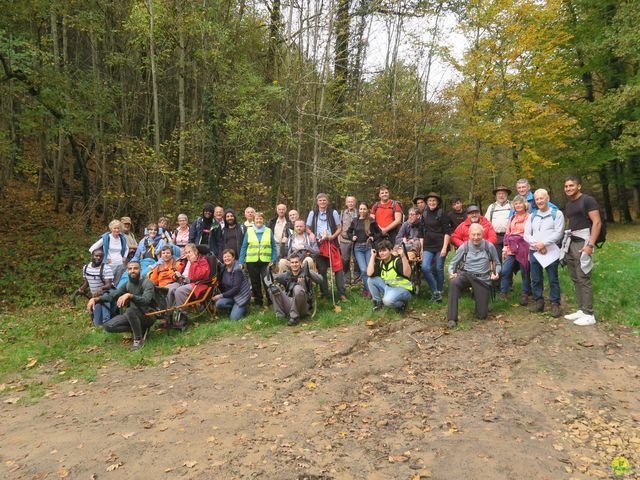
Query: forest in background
x=149, y=107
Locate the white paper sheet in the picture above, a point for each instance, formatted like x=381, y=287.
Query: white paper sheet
x=553, y=254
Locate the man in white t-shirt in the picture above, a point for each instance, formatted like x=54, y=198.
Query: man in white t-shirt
x=98, y=278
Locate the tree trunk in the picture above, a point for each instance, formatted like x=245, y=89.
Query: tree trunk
x=634, y=168
x=621, y=191
x=59, y=154
x=274, y=40
x=341, y=59
x=606, y=196
x=182, y=113
x=154, y=80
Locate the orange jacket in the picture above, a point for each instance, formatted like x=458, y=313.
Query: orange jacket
x=162, y=274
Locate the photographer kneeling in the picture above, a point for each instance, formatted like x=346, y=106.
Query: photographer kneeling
x=294, y=298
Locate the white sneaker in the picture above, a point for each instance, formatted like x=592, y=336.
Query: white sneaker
x=585, y=320
x=575, y=315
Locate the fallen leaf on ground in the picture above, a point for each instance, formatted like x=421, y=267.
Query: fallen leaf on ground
x=312, y=385
x=337, y=309
x=397, y=458
x=190, y=464
x=114, y=466
x=63, y=473
x=12, y=400
x=31, y=363
x=128, y=435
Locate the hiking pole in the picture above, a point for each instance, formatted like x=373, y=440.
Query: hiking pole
x=333, y=277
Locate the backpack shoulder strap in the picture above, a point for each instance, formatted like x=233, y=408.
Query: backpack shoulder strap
x=492, y=208
x=102, y=272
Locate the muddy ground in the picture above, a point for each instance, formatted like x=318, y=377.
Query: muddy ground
x=518, y=398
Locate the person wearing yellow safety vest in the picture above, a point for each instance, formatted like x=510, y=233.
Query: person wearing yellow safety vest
x=258, y=253
x=389, y=282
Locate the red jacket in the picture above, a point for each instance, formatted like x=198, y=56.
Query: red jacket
x=199, y=271
x=461, y=233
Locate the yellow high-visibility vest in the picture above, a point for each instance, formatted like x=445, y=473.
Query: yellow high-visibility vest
x=258, y=250
x=390, y=276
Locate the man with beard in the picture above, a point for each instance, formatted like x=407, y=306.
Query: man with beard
x=206, y=231
x=137, y=295
x=232, y=233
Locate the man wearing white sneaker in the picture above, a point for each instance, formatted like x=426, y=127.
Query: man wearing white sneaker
x=584, y=225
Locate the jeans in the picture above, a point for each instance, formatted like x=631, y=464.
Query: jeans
x=101, y=314
x=362, y=254
x=236, y=311
x=396, y=297
x=435, y=284
x=506, y=277
x=537, y=280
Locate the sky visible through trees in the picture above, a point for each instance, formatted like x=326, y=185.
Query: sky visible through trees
x=151, y=107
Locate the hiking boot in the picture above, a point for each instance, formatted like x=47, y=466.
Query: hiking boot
x=366, y=294
x=401, y=310
x=343, y=298
x=503, y=296
x=293, y=321
x=436, y=297
x=555, y=310
x=138, y=343
x=524, y=299
x=574, y=315
x=537, y=307
x=451, y=324
x=377, y=306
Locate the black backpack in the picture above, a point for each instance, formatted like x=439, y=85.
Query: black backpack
x=602, y=236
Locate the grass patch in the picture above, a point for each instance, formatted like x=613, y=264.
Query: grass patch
x=66, y=347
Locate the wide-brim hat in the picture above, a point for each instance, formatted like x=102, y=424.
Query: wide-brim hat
x=126, y=220
x=502, y=188
x=419, y=197
x=472, y=208
x=434, y=195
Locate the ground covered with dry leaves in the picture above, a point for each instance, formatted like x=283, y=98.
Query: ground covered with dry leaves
x=518, y=398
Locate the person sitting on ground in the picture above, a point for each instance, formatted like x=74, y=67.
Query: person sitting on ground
x=411, y=235
x=388, y=214
x=363, y=231
x=516, y=252
x=282, y=229
x=234, y=287
x=206, y=231
x=301, y=244
x=293, y=216
x=113, y=245
x=296, y=300
x=437, y=234
x=420, y=201
x=389, y=282
x=461, y=233
x=150, y=245
x=324, y=223
x=233, y=232
x=542, y=231
x=475, y=265
x=98, y=278
x=180, y=236
x=218, y=214
x=456, y=215
x=191, y=276
x=127, y=233
x=498, y=214
x=258, y=253
x=137, y=295
x=250, y=217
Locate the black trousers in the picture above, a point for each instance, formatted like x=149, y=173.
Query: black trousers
x=481, y=294
x=132, y=320
x=257, y=272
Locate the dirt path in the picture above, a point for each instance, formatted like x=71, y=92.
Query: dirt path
x=532, y=398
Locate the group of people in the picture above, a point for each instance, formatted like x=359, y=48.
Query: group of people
x=277, y=261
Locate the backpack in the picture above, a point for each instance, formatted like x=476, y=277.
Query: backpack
x=84, y=272
x=394, y=204
x=465, y=250
x=602, y=236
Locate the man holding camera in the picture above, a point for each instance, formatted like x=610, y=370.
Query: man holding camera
x=291, y=291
